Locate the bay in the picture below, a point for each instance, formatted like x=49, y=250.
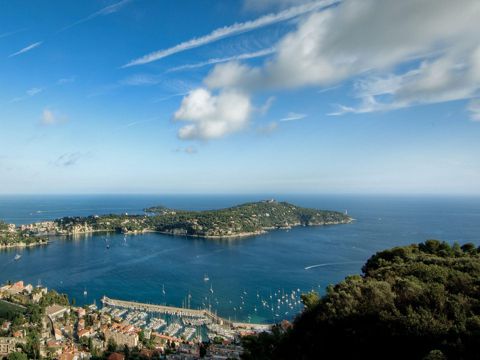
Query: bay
x=247, y=276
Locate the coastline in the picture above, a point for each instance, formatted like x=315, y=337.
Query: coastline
x=23, y=245
x=226, y=236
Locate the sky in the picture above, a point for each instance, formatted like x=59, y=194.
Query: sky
x=240, y=96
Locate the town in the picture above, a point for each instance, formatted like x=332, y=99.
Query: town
x=40, y=323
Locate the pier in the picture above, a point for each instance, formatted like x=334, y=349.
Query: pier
x=172, y=310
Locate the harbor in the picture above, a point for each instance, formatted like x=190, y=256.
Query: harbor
x=194, y=325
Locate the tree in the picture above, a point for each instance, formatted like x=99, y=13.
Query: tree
x=310, y=299
x=111, y=345
x=412, y=302
x=17, y=356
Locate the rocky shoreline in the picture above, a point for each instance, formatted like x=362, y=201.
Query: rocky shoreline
x=23, y=245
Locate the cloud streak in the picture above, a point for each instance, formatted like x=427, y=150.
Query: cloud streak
x=232, y=30
x=291, y=116
x=396, y=53
x=29, y=93
x=10, y=33
x=246, y=56
x=102, y=12
x=26, y=49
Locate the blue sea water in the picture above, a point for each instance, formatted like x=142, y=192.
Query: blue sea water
x=242, y=272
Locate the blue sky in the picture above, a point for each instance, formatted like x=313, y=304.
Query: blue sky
x=240, y=96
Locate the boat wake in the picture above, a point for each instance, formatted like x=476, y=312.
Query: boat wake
x=333, y=263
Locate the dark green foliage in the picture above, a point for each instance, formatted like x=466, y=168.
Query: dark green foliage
x=11, y=238
x=246, y=218
x=310, y=300
x=52, y=297
x=9, y=311
x=17, y=356
x=413, y=302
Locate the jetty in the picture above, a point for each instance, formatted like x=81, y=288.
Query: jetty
x=177, y=311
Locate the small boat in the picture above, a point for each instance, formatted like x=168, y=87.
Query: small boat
x=108, y=246
x=163, y=289
x=206, y=278
x=17, y=257
x=85, y=292
x=211, y=289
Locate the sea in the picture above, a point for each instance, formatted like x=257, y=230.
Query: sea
x=257, y=279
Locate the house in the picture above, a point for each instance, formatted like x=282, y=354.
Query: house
x=55, y=311
x=116, y=356
x=85, y=333
x=6, y=325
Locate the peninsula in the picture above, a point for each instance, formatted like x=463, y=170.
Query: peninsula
x=14, y=237
x=238, y=221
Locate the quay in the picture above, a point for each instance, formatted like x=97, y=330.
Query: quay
x=172, y=310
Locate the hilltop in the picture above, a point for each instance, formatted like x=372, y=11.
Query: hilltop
x=242, y=220
x=412, y=302
x=245, y=219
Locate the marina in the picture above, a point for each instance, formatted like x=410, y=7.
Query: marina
x=182, y=323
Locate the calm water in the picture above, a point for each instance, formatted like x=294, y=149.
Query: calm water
x=248, y=270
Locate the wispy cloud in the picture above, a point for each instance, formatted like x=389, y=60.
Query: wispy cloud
x=7, y=34
x=141, y=80
x=164, y=98
x=267, y=105
x=68, y=159
x=66, y=80
x=138, y=122
x=252, y=55
x=190, y=150
x=29, y=93
x=474, y=109
x=291, y=116
x=102, y=12
x=26, y=49
x=232, y=30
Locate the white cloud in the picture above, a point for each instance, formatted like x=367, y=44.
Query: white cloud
x=49, y=117
x=213, y=116
x=374, y=41
x=474, y=108
x=231, y=30
x=26, y=49
x=252, y=55
x=291, y=116
x=399, y=54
